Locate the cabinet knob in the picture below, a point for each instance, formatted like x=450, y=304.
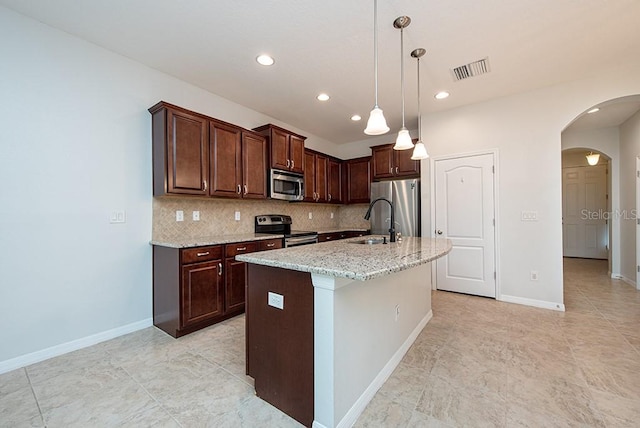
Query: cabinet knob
x=219, y=269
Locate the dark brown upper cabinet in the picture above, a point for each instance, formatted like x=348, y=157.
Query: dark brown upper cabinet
x=388, y=163
x=315, y=176
x=357, y=180
x=286, y=149
x=334, y=181
x=198, y=155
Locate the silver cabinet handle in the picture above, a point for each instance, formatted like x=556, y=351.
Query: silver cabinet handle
x=241, y=248
x=288, y=163
x=329, y=197
x=202, y=254
x=293, y=164
x=219, y=269
x=239, y=191
x=245, y=189
x=391, y=170
x=271, y=245
x=205, y=184
x=396, y=170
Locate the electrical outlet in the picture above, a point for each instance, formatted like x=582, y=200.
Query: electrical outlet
x=275, y=300
x=331, y=215
x=534, y=275
x=310, y=216
x=237, y=216
x=196, y=216
x=397, y=312
x=179, y=215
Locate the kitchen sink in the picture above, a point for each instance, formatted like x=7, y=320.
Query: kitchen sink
x=370, y=241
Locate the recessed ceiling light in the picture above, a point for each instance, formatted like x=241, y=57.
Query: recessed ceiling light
x=356, y=117
x=441, y=95
x=593, y=110
x=265, y=60
x=323, y=97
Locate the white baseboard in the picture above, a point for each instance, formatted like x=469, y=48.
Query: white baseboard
x=627, y=280
x=74, y=345
x=358, y=407
x=532, y=302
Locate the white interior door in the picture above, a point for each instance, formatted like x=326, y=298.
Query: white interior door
x=464, y=213
x=584, y=212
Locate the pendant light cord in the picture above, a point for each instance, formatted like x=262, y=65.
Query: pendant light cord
x=402, y=70
x=419, y=114
x=375, y=49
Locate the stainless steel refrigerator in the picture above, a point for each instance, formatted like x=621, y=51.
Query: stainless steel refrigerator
x=405, y=196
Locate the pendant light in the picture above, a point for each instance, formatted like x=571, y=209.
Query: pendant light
x=419, y=151
x=593, y=158
x=377, y=124
x=403, y=142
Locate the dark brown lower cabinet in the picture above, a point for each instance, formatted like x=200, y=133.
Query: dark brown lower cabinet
x=196, y=287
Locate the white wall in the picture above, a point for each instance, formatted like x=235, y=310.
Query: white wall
x=607, y=141
x=526, y=130
x=76, y=144
x=629, y=150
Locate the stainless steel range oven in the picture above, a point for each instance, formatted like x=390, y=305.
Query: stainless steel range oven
x=281, y=224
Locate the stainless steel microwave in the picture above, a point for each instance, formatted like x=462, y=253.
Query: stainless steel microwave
x=286, y=185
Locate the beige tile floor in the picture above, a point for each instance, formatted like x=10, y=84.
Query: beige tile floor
x=477, y=363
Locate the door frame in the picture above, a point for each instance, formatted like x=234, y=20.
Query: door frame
x=637, y=220
x=496, y=205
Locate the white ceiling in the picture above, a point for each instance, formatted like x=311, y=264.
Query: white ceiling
x=327, y=46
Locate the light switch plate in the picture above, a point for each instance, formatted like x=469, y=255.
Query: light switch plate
x=237, y=216
x=276, y=300
x=196, y=216
x=529, y=216
x=179, y=215
x=118, y=217
x=310, y=216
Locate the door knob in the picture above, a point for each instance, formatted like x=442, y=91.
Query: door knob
x=439, y=232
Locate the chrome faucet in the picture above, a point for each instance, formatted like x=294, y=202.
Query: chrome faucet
x=392, y=230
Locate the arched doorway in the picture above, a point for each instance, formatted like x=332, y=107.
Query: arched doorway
x=610, y=128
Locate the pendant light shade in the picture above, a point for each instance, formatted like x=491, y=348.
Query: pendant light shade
x=377, y=124
x=403, y=142
x=593, y=158
x=420, y=150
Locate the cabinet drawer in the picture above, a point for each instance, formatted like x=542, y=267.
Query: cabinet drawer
x=270, y=244
x=232, y=250
x=201, y=254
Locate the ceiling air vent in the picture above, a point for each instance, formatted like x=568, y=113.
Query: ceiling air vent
x=475, y=68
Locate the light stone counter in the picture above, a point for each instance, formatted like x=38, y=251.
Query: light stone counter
x=213, y=240
x=347, y=259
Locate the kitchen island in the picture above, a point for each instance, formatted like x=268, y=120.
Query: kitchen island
x=328, y=323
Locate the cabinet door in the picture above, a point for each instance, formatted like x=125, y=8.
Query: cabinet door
x=235, y=282
x=254, y=166
x=309, y=177
x=296, y=153
x=226, y=160
x=279, y=149
x=322, y=165
x=202, y=297
x=382, y=161
x=405, y=167
x=334, y=181
x=187, y=149
x=358, y=176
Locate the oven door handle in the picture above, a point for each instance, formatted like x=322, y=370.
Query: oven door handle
x=305, y=239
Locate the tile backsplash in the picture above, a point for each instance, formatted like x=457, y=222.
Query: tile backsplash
x=217, y=216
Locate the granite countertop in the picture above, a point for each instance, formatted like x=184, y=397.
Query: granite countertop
x=213, y=240
x=346, y=259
